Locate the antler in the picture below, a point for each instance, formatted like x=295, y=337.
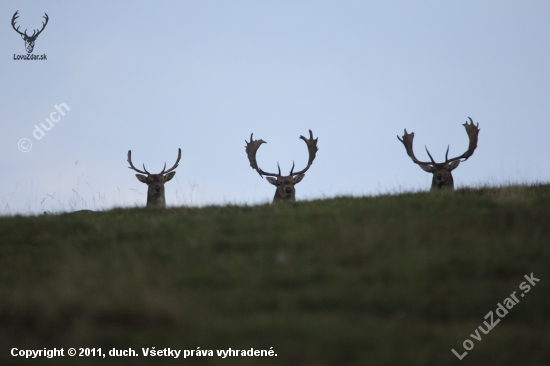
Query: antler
x=34, y=34
x=408, y=143
x=251, y=149
x=472, y=131
x=43, y=26
x=145, y=170
x=15, y=16
x=132, y=165
x=312, y=149
x=172, y=168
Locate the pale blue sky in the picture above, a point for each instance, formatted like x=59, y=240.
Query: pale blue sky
x=202, y=75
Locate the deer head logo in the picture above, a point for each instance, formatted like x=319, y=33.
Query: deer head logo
x=29, y=40
x=155, y=182
x=442, y=177
x=285, y=184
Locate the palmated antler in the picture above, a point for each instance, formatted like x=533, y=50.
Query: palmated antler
x=312, y=149
x=251, y=149
x=253, y=146
x=145, y=170
x=408, y=143
x=472, y=131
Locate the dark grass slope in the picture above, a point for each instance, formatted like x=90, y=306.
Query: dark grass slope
x=388, y=280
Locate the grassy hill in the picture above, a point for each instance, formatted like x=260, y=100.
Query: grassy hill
x=387, y=280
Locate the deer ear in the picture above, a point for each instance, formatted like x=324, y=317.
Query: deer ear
x=169, y=176
x=142, y=178
x=453, y=165
x=427, y=168
x=297, y=179
x=272, y=180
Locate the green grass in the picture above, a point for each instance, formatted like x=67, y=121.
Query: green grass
x=387, y=280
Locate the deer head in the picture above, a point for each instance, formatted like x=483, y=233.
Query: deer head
x=442, y=177
x=155, y=182
x=29, y=40
x=285, y=184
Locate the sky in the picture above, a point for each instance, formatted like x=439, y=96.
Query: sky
x=153, y=77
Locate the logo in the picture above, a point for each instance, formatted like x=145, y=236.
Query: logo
x=29, y=40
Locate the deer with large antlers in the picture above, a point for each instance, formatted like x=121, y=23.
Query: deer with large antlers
x=155, y=182
x=285, y=184
x=442, y=177
x=29, y=40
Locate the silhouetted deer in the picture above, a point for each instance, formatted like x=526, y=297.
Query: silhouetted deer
x=442, y=177
x=285, y=184
x=155, y=182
